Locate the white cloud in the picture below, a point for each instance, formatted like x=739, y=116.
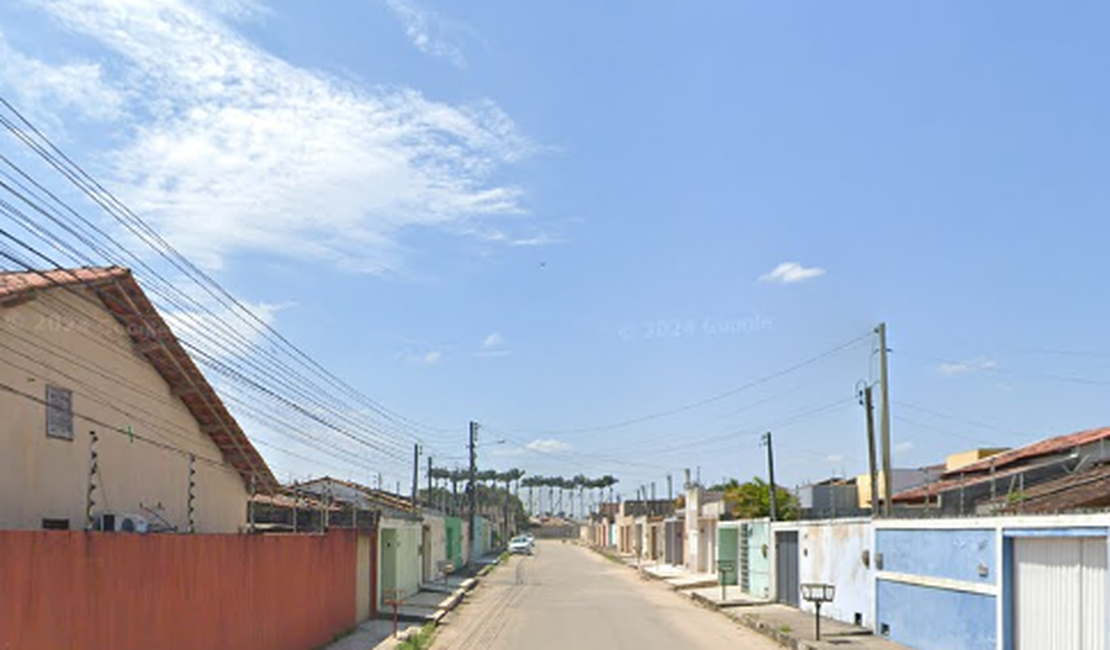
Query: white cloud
x=237, y=150
x=548, y=446
x=543, y=239
x=903, y=447
x=493, y=346
x=219, y=332
x=953, y=368
x=429, y=358
x=429, y=31
x=78, y=86
x=835, y=458
x=791, y=272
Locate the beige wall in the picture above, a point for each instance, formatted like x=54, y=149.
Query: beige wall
x=363, y=583
x=81, y=347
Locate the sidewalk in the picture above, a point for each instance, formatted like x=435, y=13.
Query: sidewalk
x=790, y=627
x=429, y=605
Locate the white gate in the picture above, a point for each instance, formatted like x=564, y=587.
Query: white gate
x=1059, y=593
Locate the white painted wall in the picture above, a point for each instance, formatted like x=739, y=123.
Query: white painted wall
x=832, y=552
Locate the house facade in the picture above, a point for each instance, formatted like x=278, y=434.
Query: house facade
x=106, y=414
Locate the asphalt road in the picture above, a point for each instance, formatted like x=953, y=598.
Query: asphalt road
x=569, y=598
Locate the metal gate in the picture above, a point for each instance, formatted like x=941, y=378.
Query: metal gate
x=786, y=568
x=728, y=552
x=745, y=568
x=1059, y=593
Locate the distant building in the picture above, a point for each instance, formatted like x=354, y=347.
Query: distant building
x=900, y=479
x=1054, y=475
x=834, y=497
x=83, y=351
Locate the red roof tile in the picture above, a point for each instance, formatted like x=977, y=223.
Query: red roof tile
x=1045, y=447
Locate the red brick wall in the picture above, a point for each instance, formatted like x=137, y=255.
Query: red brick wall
x=107, y=591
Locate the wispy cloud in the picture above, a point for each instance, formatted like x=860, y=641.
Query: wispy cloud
x=429, y=31
x=548, y=446
x=835, y=458
x=426, y=358
x=790, y=273
x=493, y=346
x=231, y=149
x=78, y=86
x=903, y=447
x=953, y=368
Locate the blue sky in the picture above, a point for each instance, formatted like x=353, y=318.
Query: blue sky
x=556, y=217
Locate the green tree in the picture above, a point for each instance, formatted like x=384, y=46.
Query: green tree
x=752, y=500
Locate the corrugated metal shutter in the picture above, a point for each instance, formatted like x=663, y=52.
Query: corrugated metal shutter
x=1060, y=594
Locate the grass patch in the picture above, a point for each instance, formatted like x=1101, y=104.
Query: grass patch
x=421, y=640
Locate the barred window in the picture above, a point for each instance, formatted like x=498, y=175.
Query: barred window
x=59, y=413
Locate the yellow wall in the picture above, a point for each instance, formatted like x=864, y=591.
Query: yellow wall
x=955, y=461
x=81, y=347
x=363, y=586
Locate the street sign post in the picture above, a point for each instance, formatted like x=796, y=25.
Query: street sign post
x=395, y=598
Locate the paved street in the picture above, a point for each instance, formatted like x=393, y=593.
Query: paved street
x=569, y=598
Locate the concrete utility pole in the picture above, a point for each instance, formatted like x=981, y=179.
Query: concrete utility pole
x=872, y=462
x=771, y=476
x=670, y=488
x=473, y=476
x=415, y=474
x=431, y=501
x=888, y=505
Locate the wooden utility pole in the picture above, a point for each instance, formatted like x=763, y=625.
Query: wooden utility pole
x=873, y=469
x=415, y=473
x=888, y=492
x=473, y=477
x=771, y=476
x=431, y=502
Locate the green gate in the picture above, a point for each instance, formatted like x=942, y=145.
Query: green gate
x=728, y=552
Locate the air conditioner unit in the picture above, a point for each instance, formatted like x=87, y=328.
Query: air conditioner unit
x=122, y=523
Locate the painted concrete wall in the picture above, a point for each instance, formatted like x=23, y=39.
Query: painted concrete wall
x=759, y=557
x=936, y=619
x=833, y=552
x=434, y=543
x=482, y=538
x=65, y=341
x=187, y=592
x=950, y=573
x=399, y=564
x=364, y=582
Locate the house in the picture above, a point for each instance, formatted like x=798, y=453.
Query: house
x=834, y=497
x=1003, y=481
x=106, y=414
x=900, y=479
x=400, y=564
x=702, y=512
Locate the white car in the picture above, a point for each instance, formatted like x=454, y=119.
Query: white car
x=520, y=546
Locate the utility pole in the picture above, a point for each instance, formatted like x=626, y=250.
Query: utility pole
x=869, y=407
x=888, y=508
x=431, y=502
x=771, y=476
x=670, y=488
x=415, y=474
x=473, y=476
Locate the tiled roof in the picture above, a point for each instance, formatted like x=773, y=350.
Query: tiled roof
x=1085, y=489
x=381, y=497
x=122, y=296
x=1045, y=447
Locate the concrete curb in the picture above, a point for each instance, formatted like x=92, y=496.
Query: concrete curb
x=457, y=597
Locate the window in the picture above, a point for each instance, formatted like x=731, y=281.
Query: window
x=59, y=413
x=55, y=524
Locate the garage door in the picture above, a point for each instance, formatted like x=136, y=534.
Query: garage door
x=1059, y=593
